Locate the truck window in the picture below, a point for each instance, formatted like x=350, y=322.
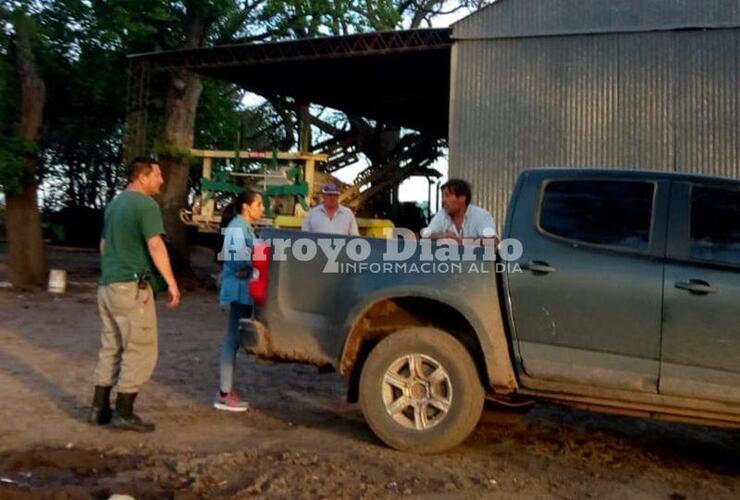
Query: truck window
x=715, y=224
x=609, y=213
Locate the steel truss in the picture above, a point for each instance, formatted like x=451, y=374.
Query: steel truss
x=299, y=50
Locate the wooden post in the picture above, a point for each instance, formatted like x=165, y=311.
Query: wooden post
x=308, y=177
x=304, y=128
x=207, y=206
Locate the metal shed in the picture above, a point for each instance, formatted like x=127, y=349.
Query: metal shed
x=398, y=77
x=652, y=84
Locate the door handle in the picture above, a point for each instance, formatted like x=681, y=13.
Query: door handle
x=697, y=287
x=538, y=267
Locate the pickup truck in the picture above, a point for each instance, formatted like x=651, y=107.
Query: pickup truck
x=625, y=297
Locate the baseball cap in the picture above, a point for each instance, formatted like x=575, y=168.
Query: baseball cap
x=330, y=188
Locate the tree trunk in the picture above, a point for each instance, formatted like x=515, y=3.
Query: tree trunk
x=26, y=256
x=178, y=134
x=182, y=103
x=27, y=259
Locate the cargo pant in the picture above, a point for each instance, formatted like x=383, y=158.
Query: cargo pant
x=128, y=352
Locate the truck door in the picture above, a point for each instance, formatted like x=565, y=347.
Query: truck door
x=701, y=311
x=586, y=309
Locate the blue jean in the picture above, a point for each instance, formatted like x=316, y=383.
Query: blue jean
x=231, y=344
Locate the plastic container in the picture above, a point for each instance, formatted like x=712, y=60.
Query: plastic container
x=57, y=281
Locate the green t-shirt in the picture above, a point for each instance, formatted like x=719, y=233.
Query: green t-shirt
x=130, y=220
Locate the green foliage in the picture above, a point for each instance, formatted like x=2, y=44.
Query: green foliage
x=311, y=18
x=132, y=26
x=9, y=91
x=172, y=151
x=219, y=115
x=13, y=172
x=383, y=15
x=13, y=150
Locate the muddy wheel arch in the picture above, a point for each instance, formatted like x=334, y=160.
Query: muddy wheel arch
x=380, y=316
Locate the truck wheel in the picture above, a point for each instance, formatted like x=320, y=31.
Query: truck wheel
x=420, y=391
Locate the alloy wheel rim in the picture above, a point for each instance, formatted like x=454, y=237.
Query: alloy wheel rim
x=417, y=391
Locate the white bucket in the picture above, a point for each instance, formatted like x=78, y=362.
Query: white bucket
x=57, y=281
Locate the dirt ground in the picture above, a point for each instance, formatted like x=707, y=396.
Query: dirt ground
x=301, y=439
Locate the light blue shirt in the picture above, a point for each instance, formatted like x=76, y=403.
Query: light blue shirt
x=476, y=220
x=233, y=287
x=343, y=222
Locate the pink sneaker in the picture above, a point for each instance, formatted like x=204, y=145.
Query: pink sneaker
x=230, y=402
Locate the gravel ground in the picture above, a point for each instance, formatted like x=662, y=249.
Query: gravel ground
x=301, y=439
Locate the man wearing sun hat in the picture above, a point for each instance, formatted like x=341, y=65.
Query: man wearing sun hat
x=330, y=217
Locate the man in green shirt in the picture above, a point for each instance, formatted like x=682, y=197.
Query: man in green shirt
x=133, y=257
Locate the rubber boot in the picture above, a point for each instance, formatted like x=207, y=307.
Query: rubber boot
x=124, y=417
x=100, y=411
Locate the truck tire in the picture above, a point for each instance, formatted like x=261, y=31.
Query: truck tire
x=420, y=391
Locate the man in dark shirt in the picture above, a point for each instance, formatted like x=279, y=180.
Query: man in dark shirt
x=133, y=257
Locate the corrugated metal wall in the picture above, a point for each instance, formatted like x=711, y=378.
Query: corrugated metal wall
x=658, y=100
x=526, y=18
x=707, y=96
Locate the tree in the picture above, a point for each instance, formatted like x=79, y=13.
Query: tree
x=18, y=164
x=203, y=20
x=85, y=60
